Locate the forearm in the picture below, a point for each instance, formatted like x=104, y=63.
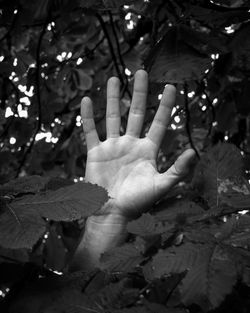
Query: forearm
x=102, y=232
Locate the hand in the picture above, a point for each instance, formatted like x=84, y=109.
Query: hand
x=126, y=165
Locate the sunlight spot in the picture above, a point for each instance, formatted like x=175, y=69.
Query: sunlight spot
x=215, y=56
x=229, y=29
x=191, y=94
x=25, y=101
x=215, y=101
x=177, y=119
x=243, y=212
x=12, y=140
x=173, y=111
x=8, y=112
x=79, y=61
x=130, y=25
x=128, y=16
x=127, y=72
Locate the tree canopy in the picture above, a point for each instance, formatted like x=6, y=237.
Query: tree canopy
x=55, y=52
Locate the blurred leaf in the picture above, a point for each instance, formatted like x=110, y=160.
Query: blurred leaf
x=221, y=162
x=240, y=46
x=174, y=60
x=22, y=185
x=218, y=17
x=84, y=81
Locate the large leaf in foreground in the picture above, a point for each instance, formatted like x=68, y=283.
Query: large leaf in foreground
x=22, y=223
x=20, y=228
x=210, y=273
x=66, y=204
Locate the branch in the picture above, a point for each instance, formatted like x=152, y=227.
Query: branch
x=188, y=122
x=38, y=94
x=102, y=23
x=210, y=104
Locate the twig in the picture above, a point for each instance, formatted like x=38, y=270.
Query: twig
x=188, y=121
x=38, y=94
x=210, y=104
x=102, y=23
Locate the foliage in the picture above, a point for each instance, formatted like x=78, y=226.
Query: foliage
x=55, y=52
x=190, y=252
x=185, y=252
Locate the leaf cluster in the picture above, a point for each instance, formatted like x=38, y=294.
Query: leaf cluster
x=191, y=251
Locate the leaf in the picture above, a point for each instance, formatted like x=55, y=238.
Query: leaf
x=209, y=278
x=173, y=60
x=22, y=185
x=55, y=294
x=147, y=225
x=121, y=259
x=240, y=46
x=221, y=162
x=236, y=232
x=54, y=251
x=84, y=81
x=9, y=255
x=179, y=211
x=218, y=18
x=114, y=295
x=150, y=307
x=174, y=260
x=235, y=192
x=20, y=228
x=67, y=203
x=22, y=223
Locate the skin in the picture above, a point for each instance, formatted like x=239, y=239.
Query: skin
x=126, y=165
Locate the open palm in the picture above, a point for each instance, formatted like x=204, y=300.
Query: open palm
x=126, y=165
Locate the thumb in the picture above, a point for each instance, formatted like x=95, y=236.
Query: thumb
x=180, y=168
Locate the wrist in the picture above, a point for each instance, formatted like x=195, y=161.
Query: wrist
x=102, y=232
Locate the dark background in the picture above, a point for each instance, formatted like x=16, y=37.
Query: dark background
x=54, y=52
